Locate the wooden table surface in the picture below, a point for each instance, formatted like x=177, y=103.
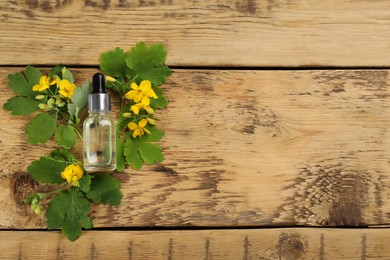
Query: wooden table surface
x=277, y=138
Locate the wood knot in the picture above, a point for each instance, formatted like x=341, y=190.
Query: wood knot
x=22, y=185
x=291, y=246
x=332, y=194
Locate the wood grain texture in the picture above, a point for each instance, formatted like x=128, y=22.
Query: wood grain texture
x=267, y=244
x=218, y=32
x=242, y=148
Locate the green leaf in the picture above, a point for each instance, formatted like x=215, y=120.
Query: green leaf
x=150, y=153
x=41, y=128
x=79, y=101
x=21, y=105
x=66, y=74
x=147, y=62
x=85, y=183
x=120, y=158
x=66, y=136
x=63, y=155
x=56, y=71
x=113, y=62
x=161, y=102
x=32, y=75
x=133, y=158
x=86, y=222
x=47, y=170
x=22, y=85
x=69, y=209
x=105, y=189
x=154, y=136
x=155, y=75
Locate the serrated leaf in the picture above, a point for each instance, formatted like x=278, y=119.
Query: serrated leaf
x=69, y=209
x=161, y=101
x=86, y=223
x=79, y=101
x=66, y=136
x=156, y=75
x=113, y=62
x=22, y=84
x=41, y=128
x=133, y=158
x=120, y=158
x=63, y=155
x=85, y=183
x=32, y=75
x=147, y=62
x=154, y=136
x=21, y=105
x=47, y=170
x=150, y=153
x=105, y=189
x=56, y=71
x=154, y=55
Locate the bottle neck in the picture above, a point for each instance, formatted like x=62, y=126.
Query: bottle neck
x=101, y=113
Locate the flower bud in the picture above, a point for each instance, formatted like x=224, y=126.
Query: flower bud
x=149, y=110
x=58, y=101
x=42, y=106
x=38, y=209
x=50, y=103
x=151, y=121
x=39, y=97
x=126, y=115
x=111, y=79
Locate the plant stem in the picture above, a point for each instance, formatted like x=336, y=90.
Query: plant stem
x=136, y=76
x=78, y=133
x=64, y=186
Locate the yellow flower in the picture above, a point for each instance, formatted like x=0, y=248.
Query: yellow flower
x=138, y=106
x=44, y=83
x=139, y=130
x=141, y=93
x=66, y=88
x=72, y=174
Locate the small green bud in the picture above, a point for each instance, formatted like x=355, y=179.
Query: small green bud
x=151, y=121
x=111, y=79
x=63, y=70
x=38, y=209
x=40, y=97
x=42, y=106
x=58, y=101
x=50, y=103
x=126, y=115
x=149, y=110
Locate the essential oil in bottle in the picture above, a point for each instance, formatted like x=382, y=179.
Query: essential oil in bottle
x=99, y=130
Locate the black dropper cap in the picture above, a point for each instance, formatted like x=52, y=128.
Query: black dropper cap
x=98, y=83
x=98, y=100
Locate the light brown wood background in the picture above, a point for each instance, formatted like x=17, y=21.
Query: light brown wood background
x=250, y=149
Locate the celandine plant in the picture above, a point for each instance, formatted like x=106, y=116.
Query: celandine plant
x=135, y=77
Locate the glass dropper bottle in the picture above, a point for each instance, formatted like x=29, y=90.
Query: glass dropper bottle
x=99, y=130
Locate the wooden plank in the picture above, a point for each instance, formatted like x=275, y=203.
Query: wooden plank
x=219, y=33
x=290, y=243
x=242, y=148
